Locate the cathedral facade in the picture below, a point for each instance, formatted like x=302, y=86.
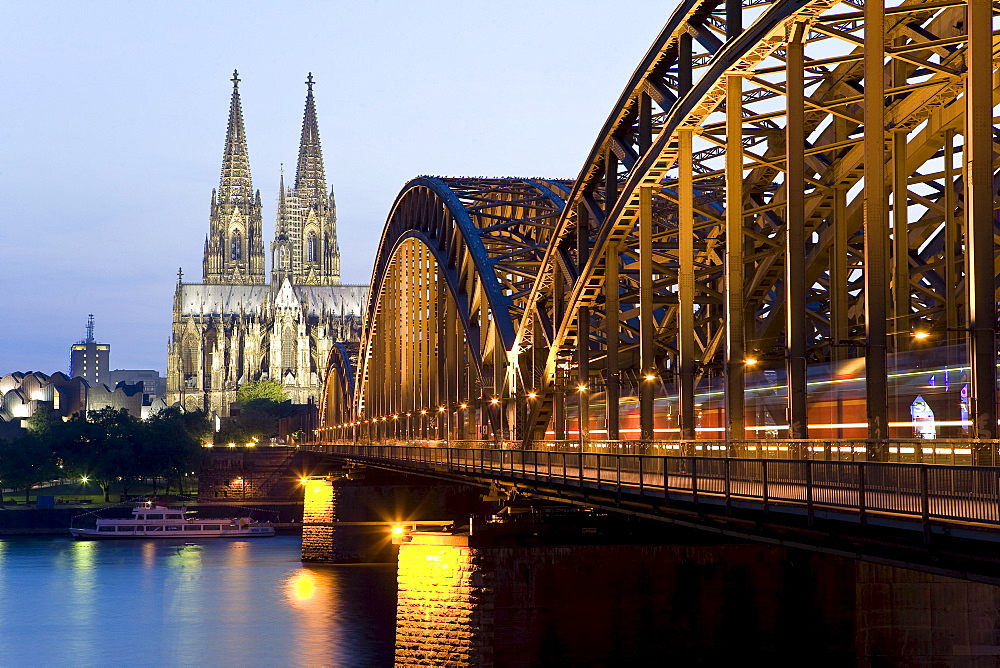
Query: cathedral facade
x=236, y=326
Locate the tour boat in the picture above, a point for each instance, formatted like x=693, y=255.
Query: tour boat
x=154, y=521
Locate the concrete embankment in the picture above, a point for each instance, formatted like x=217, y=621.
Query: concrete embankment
x=56, y=521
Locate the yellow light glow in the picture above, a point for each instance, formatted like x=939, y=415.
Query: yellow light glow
x=465, y=405
x=423, y=412
x=232, y=445
x=208, y=445
x=494, y=401
x=250, y=445
x=650, y=376
x=302, y=586
x=84, y=479
x=304, y=480
x=532, y=395
x=921, y=335
x=397, y=531
x=581, y=387
x=441, y=409
x=750, y=361
x=395, y=417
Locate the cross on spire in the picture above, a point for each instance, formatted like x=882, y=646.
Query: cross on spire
x=310, y=82
x=236, y=79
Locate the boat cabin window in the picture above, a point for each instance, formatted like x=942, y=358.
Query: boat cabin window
x=173, y=517
x=126, y=528
x=105, y=528
x=156, y=528
x=193, y=527
x=154, y=516
x=174, y=528
x=211, y=527
x=140, y=517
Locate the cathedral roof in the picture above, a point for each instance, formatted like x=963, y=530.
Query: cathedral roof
x=226, y=299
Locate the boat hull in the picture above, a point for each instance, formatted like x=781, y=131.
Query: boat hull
x=248, y=532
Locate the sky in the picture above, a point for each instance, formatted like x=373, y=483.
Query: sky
x=114, y=117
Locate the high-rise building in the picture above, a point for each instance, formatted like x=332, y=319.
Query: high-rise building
x=234, y=327
x=90, y=359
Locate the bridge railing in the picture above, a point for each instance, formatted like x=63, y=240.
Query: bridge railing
x=916, y=491
x=959, y=452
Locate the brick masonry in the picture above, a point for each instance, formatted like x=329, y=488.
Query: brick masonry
x=318, y=515
x=261, y=473
x=459, y=604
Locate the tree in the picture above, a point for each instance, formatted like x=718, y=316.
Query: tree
x=172, y=444
x=105, y=447
x=42, y=420
x=260, y=389
x=25, y=462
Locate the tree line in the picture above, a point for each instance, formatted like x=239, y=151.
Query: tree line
x=106, y=446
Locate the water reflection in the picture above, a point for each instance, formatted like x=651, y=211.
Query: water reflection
x=219, y=602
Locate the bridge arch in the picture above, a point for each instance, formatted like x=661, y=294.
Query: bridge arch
x=731, y=105
x=776, y=202
x=337, y=401
x=457, y=259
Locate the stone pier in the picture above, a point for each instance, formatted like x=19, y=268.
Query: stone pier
x=475, y=601
x=348, y=515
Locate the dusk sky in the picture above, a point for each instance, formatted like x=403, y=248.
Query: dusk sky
x=114, y=118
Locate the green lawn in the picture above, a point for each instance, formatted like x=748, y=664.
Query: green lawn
x=90, y=493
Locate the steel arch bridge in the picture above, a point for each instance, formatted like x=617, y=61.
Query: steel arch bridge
x=786, y=227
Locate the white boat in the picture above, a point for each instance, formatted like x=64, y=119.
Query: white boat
x=154, y=521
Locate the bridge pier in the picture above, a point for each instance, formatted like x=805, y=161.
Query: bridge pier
x=513, y=600
x=348, y=514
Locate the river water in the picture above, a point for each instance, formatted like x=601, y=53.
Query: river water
x=176, y=602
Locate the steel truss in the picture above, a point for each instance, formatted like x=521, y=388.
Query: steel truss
x=737, y=216
x=457, y=260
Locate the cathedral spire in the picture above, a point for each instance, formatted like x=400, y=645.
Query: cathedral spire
x=309, y=177
x=236, y=183
x=234, y=252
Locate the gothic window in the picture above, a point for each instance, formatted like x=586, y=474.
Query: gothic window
x=311, y=248
x=189, y=361
x=236, y=246
x=288, y=349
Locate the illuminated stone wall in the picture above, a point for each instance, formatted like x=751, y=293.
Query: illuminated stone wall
x=444, y=604
x=246, y=474
x=465, y=601
x=318, y=515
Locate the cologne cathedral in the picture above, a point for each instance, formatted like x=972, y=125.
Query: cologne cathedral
x=235, y=326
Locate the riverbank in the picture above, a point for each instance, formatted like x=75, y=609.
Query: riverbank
x=24, y=521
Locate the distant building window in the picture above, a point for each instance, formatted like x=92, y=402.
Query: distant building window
x=236, y=247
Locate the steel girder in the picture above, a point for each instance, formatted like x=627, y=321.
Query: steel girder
x=726, y=200
x=742, y=201
x=457, y=260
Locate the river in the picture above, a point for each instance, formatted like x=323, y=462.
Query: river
x=177, y=602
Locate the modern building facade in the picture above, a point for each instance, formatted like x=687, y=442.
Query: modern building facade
x=89, y=359
x=235, y=327
x=154, y=386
